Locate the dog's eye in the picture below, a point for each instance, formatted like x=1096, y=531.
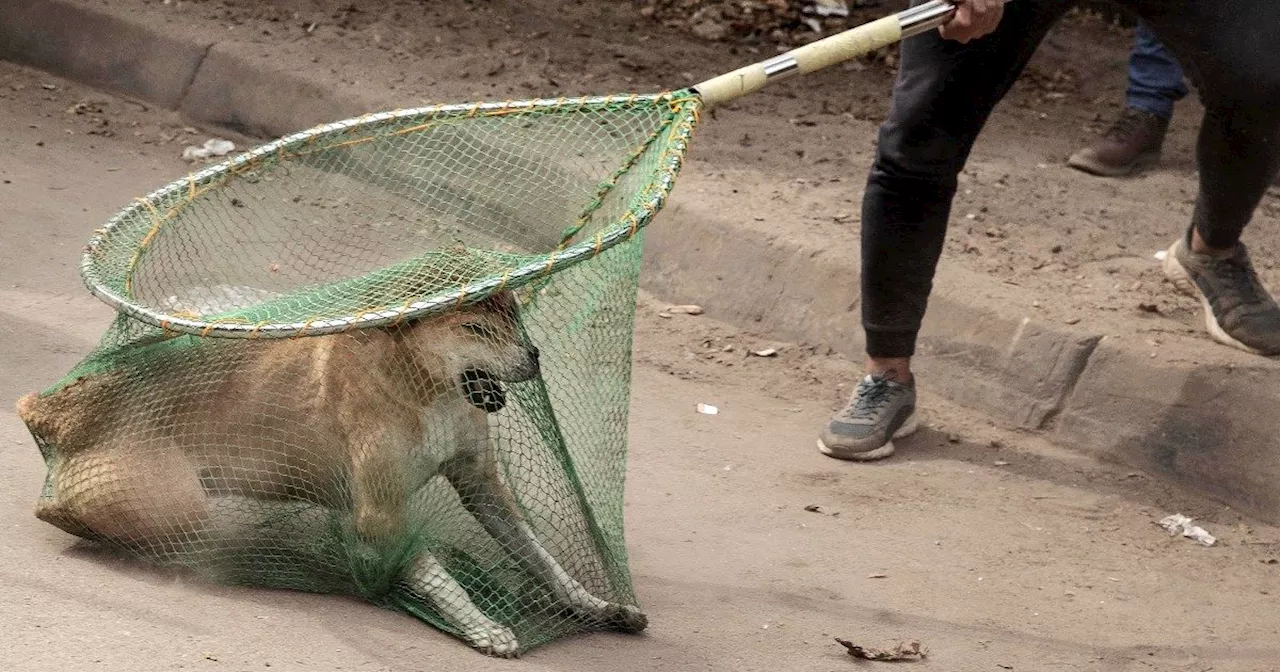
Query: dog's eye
x=480, y=330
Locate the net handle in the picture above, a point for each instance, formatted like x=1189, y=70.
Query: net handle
x=826, y=52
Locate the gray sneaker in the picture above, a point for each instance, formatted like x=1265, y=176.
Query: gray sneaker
x=1238, y=311
x=879, y=412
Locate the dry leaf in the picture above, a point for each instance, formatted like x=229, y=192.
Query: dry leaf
x=900, y=652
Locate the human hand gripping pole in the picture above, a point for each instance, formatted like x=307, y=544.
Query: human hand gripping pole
x=828, y=51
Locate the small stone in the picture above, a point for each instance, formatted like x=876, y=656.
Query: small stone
x=710, y=30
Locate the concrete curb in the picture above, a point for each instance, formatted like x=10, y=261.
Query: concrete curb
x=1212, y=428
x=99, y=50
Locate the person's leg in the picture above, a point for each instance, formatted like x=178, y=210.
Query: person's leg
x=944, y=93
x=1156, y=80
x=1238, y=152
x=1134, y=141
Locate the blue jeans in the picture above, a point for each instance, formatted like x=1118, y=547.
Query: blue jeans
x=1155, y=78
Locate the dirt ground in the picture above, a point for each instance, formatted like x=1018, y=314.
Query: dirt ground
x=1065, y=245
x=994, y=550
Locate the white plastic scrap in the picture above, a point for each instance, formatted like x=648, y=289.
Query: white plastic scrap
x=217, y=299
x=1180, y=524
x=829, y=8
x=211, y=147
x=707, y=409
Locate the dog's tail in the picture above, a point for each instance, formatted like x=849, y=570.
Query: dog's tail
x=35, y=414
x=66, y=417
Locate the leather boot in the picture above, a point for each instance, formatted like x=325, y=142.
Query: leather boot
x=1132, y=144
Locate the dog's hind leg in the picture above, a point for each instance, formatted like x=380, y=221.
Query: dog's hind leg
x=479, y=485
x=149, y=501
x=429, y=578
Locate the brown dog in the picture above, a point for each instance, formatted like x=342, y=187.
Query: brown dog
x=356, y=422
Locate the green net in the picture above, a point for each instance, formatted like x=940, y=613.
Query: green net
x=387, y=357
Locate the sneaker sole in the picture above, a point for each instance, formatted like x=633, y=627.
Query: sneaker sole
x=1177, y=274
x=908, y=428
x=1099, y=169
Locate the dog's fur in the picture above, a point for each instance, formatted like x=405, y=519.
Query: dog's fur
x=353, y=422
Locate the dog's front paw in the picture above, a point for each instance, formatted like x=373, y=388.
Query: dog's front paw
x=493, y=639
x=622, y=617
x=628, y=618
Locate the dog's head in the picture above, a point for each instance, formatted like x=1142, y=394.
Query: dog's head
x=479, y=345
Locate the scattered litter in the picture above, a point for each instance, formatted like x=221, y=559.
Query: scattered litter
x=767, y=352
x=1180, y=524
x=211, y=147
x=900, y=652
x=210, y=656
x=813, y=508
x=688, y=309
x=1161, y=255
x=1001, y=463
x=708, y=409
x=49, y=87
x=85, y=107
x=877, y=576
x=216, y=299
x=829, y=8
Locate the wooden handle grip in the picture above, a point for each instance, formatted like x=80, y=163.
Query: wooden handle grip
x=811, y=57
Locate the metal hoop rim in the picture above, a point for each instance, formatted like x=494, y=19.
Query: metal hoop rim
x=638, y=218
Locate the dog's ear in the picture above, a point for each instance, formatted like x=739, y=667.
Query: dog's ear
x=482, y=391
x=503, y=302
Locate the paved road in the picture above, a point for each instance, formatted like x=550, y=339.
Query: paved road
x=996, y=552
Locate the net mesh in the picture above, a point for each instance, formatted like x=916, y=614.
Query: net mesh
x=388, y=357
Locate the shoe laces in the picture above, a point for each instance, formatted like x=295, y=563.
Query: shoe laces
x=1241, y=281
x=873, y=394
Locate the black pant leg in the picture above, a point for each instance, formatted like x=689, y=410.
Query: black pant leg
x=944, y=94
x=1232, y=50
